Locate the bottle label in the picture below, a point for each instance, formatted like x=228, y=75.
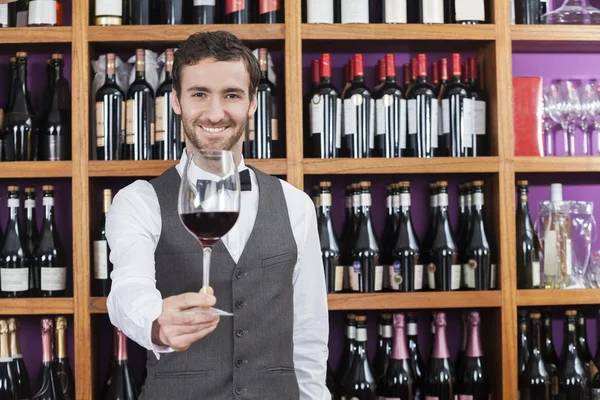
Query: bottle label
x=350, y=115
x=274, y=120
x=478, y=199
x=22, y=17
x=354, y=272
x=455, y=270
x=100, y=259
x=14, y=279
x=403, y=123
x=431, y=268
x=339, y=278
x=351, y=332
x=99, y=123
x=338, y=126
x=113, y=8
x=152, y=132
x=371, y=124
x=387, y=331
x=445, y=115
x=433, y=11
x=412, y=116
x=412, y=329
x=361, y=335
x=316, y=115
x=480, y=117
x=267, y=6
x=378, y=278
x=418, y=276
x=550, y=254
x=380, y=113
x=469, y=274
x=355, y=12
x=48, y=201
x=434, y=122
x=131, y=115
x=29, y=203
x=232, y=6
x=467, y=131
x=442, y=199
x=325, y=199
x=536, y=278
x=388, y=202
x=397, y=200
x=123, y=120
x=13, y=203
x=395, y=275
x=198, y=3
x=161, y=121
x=319, y=11
x=395, y=12
x=493, y=276
x=4, y=14
x=42, y=12
x=465, y=397
x=54, y=278
x=469, y=10
x=365, y=199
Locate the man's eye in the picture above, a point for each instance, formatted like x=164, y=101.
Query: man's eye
x=232, y=96
x=199, y=95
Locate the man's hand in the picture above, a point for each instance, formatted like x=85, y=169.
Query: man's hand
x=179, y=331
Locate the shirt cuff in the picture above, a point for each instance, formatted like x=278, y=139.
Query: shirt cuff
x=156, y=349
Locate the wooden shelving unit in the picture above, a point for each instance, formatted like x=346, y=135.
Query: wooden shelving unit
x=493, y=43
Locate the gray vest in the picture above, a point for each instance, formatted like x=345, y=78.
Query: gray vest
x=248, y=356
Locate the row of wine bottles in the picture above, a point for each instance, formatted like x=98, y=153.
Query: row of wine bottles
x=32, y=263
x=442, y=261
x=55, y=379
x=542, y=375
x=398, y=11
x=438, y=118
x=44, y=133
x=175, y=12
x=21, y=13
x=398, y=371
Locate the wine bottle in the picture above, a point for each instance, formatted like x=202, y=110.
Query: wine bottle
x=479, y=271
x=472, y=379
x=269, y=12
x=55, y=135
x=469, y=12
x=139, y=114
x=416, y=362
x=8, y=388
x=307, y=139
x=354, y=11
x=319, y=11
x=325, y=110
x=61, y=362
x=394, y=12
x=49, y=256
x=359, y=114
x=439, y=378
x=20, y=123
x=390, y=106
x=205, y=12
x=168, y=123
x=48, y=384
x=379, y=76
x=138, y=12
x=443, y=84
x=428, y=240
x=572, y=379
x=14, y=258
x=121, y=385
x=479, y=111
x=523, y=347
x=431, y=11
x=399, y=381
x=366, y=272
x=348, y=75
x=43, y=97
x=406, y=273
x=237, y=12
x=384, y=347
x=108, y=12
x=20, y=375
x=42, y=13
x=330, y=249
x=348, y=352
x=171, y=12
x=349, y=232
x=583, y=350
x=391, y=225
x=12, y=82
x=463, y=215
x=422, y=114
x=359, y=383
x=535, y=381
x=463, y=239
x=443, y=270
x=32, y=235
x=102, y=264
x=110, y=115
x=111, y=365
x=548, y=353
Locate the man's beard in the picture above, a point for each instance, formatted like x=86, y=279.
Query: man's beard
x=189, y=127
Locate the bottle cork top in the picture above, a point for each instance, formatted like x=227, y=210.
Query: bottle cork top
x=477, y=183
x=365, y=184
x=57, y=56
x=361, y=318
x=12, y=59
x=442, y=184
x=47, y=188
x=13, y=188
x=386, y=315
x=522, y=183
x=30, y=189
x=571, y=313
x=21, y=54
x=325, y=184
x=433, y=185
x=535, y=315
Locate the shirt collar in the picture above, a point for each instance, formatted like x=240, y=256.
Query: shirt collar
x=199, y=173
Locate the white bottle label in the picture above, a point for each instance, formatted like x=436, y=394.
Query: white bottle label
x=42, y=12
x=480, y=117
x=403, y=123
x=131, y=115
x=339, y=278
x=550, y=254
x=354, y=272
x=319, y=11
x=351, y=332
x=431, y=275
x=365, y=199
x=442, y=199
x=13, y=203
x=372, y=124
x=433, y=11
x=316, y=115
x=469, y=274
x=412, y=329
x=477, y=199
x=361, y=335
x=54, y=278
x=100, y=259
x=434, y=123
x=349, y=117
x=378, y=278
x=161, y=119
x=404, y=200
x=380, y=113
x=395, y=12
x=109, y=8
x=338, y=125
x=395, y=275
x=412, y=116
x=48, y=201
x=469, y=10
x=4, y=14
x=355, y=11
x=455, y=270
x=14, y=279
x=22, y=18
x=418, y=276
x=535, y=273
x=29, y=203
x=204, y=2
x=446, y=116
x=468, y=121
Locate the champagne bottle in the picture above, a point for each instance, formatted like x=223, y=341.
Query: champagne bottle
x=349, y=232
x=111, y=365
x=14, y=258
x=464, y=340
x=20, y=377
x=548, y=353
x=359, y=382
x=168, y=124
x=384, y=347
x=12, y=62
x=48, y=385
x=440, y=377
x=572, y=379
x=416, y=361
x=110, y=115
x=463, y=216
x=8, y=388
x=399, y=380
x=583, y=350
x=49, y=256
x=102, y=264
x=428, y=240
x=535, y=381
x=121, y=385
x=528, y=244
x=32, y=235
x=61, y=362
x=330, y=249
x=348, y=353
x=472, y=379
x=523, y=349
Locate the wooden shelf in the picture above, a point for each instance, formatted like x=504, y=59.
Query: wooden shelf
x=557, y=164
x=401, y=165
x=57, y=34
x=37, y=306
x=555, y=38
x=424, y=300
x=398, y=32
x=276, y=166
x=543, y=297
x=98, y=305
x=36, y=169
x=177, y=33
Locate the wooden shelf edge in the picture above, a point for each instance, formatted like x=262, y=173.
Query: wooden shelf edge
x=169, y=33
x=36, y=169
x=54, y=34
x=98, y=305
x=556, y=297
x=401, y=165
x=37, y=306
x=555, y=33
x=398, y=32
x=424, y=300
x=557, y=164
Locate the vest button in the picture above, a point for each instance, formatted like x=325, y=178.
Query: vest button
x=239, y=333
x=239, y=274
x=239, y=362
x=239, y=390
x=239, y=304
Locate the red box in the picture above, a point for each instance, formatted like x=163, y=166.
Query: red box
x=528, y=110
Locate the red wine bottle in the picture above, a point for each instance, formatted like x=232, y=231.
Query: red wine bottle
x=348, y=352
x=263, y=127
x=205, y=12
x=435, y=77
x=330, y=249
x=472, y=378
x=443, y=84
x=237, y=12
x=572, y=378
x=8, y=387
x=535, y=381
x=48, y=384
x=523, y=346
x=325, y=110
x=49, y=256
x=479, y=111
x=138, y=12
x=359, y=383
x=20, y=375
x=366, y=272
x=439, y=378
x=457, y=113
x=380, y=76
x=110, y=115
x=443, y=270
x=168, y=124
x=390, y=227
x=399, y=380
x=384, y=346
x=121, y=385
x=422, y=114
x=61, y=362
x=583, y=349
x=406, y=75
x=390, y=135
x=416, y=361
x=269, y=12
x=406, y=272
x=353, y=211
x=14, y=258
x=359, y=115
x=309, y=151
x=171, y=12
x=140, y=114
x=548, y=352
x=102, y=265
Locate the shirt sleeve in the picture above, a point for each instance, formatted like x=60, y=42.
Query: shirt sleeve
x=311, y=317
x=133, y=227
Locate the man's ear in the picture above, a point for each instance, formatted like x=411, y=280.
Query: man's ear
x=176, y=105
x=253, y=104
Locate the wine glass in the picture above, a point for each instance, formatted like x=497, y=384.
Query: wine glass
x=209, y=201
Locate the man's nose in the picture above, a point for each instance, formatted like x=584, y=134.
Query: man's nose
x=215, y=111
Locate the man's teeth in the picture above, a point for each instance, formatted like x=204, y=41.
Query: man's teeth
x=213, y=130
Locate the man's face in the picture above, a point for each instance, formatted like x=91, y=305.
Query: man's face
x=214, y=104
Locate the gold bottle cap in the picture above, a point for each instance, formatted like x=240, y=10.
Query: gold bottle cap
x=361, y=318
x=477, y=183
x=57, y=56
x=442, y=184
x=365, y=184
x=61, y=323
x=535, y=315
x=325, y=184
x=30, y=189
x=22, y=54
x=47, y=188
x=13, y=188
x=522, y=183
x=571, y=313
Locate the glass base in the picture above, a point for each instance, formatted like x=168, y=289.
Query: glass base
x=211, y=310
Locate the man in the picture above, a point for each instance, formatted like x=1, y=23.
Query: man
x=267, y=270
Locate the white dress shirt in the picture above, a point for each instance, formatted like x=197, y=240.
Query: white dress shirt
x=133, y=228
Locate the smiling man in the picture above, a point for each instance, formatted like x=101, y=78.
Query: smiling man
x=271, y=256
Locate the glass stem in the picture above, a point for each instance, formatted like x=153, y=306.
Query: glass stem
x=207, y=251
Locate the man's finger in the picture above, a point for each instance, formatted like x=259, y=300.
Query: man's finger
x=184, y=341
x=185, y=330
x=202, y=316
x=190, y=300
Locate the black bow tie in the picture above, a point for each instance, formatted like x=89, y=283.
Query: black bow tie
x=245, y=181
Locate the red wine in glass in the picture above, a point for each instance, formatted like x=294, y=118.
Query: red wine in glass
x=209, y=227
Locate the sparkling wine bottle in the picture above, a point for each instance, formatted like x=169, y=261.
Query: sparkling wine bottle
x=384, y=347
x=121, y=385
x=399, y=381
x=583, y=350
x=8, y=388
x=572, y=378
x=110, y=115
x=330, y=249
x=20, y=376
x=528, y=245
x=523, y=347
x=348, y=352
x=61, y=362
x=14, y=258
x=102, y=264
x=416, y=362
x=472, y=379
x=440, y=378
x=548, y=353
x=428, y=240
x=48, y=384
x=390, y=227
x=32, y=235
x=359, y=383
x=535, y=381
